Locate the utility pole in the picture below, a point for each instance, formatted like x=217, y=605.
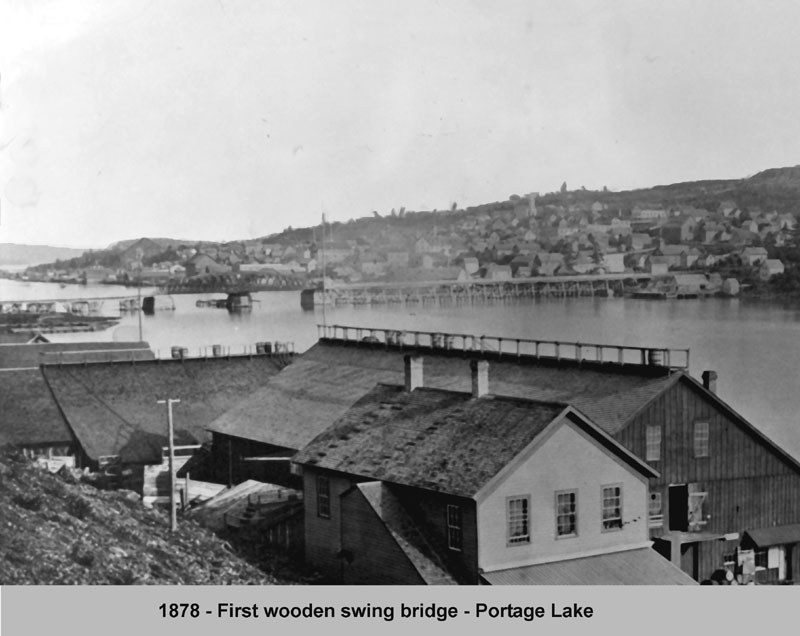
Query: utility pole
x=173, y=515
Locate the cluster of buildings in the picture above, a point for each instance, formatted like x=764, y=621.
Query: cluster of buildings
x=422, y=463
x=518, y=239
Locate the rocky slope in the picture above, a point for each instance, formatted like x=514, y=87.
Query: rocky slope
x=54, y=529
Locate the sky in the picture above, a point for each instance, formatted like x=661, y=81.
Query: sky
x=234, y=119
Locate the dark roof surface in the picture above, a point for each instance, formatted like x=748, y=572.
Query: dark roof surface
x=28, y=413
x=435, y=439
x=112, y=408
x=642, y=566
x=321, y=384
x=776, y=535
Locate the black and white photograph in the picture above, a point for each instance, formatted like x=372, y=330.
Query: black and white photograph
x=442, y=292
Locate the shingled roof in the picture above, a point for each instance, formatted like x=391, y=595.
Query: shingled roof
x=28, y=413
x=429, y=438
x=321, y=384
x=440, y=440
x=112, y=408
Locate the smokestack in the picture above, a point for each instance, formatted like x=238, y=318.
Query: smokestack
x=413, y=369
x=480, y=377
x=710, y=381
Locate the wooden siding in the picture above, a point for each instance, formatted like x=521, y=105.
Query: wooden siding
x=552, y=468
x=429, y=511
x=371, y=556
x=749, y=485
x=323, y=535
x=229, y=466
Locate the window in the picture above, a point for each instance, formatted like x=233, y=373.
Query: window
x=653, y=441
x=701, y=439
x=454, y=535
x=612, y=507
x=567, y=513
x=656, y=510
x=518, y=520
x=323, y=497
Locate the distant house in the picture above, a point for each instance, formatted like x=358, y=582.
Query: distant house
x=641, y=213
x=614, y=262
x=204, y=264
x=471, y=265
x=753, y=255
x=498, y=272
x=547, y=263
x=381, y=506
x=657, y=265
x=679, y=230
x=689, y=257
x=770, y=268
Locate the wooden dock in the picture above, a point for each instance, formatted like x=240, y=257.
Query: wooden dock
x=471, y=291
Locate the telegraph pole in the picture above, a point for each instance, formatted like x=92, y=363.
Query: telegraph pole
x=173, y=515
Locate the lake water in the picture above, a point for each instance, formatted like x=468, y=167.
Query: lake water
x=753, y=346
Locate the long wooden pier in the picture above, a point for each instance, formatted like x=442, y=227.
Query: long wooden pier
x=469, y=291
x=80, y=306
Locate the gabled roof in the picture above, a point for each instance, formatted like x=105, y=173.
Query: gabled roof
x=440, y=440
x=112, y=408
x=306, y=397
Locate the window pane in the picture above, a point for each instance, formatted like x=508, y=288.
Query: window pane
x=323, y=497
x=518, y=520
x=612, y=507
x=566, y=513
x=653, y=442
x=454, y=534
x=701, y=439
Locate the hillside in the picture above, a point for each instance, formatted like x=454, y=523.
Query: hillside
x=16, y=254
x=56, y=530
x=775, y=189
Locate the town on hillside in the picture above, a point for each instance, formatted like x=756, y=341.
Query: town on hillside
x=729, y=246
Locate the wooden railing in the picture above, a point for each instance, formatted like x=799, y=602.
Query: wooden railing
x=519, y=347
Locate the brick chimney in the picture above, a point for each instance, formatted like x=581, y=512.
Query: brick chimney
x=710, y=381
x=413, y=372
x=480, y=377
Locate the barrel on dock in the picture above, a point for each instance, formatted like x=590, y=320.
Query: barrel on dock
x=263, y=348
x=655, y=357
x=216, y=350
x=180, y=352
